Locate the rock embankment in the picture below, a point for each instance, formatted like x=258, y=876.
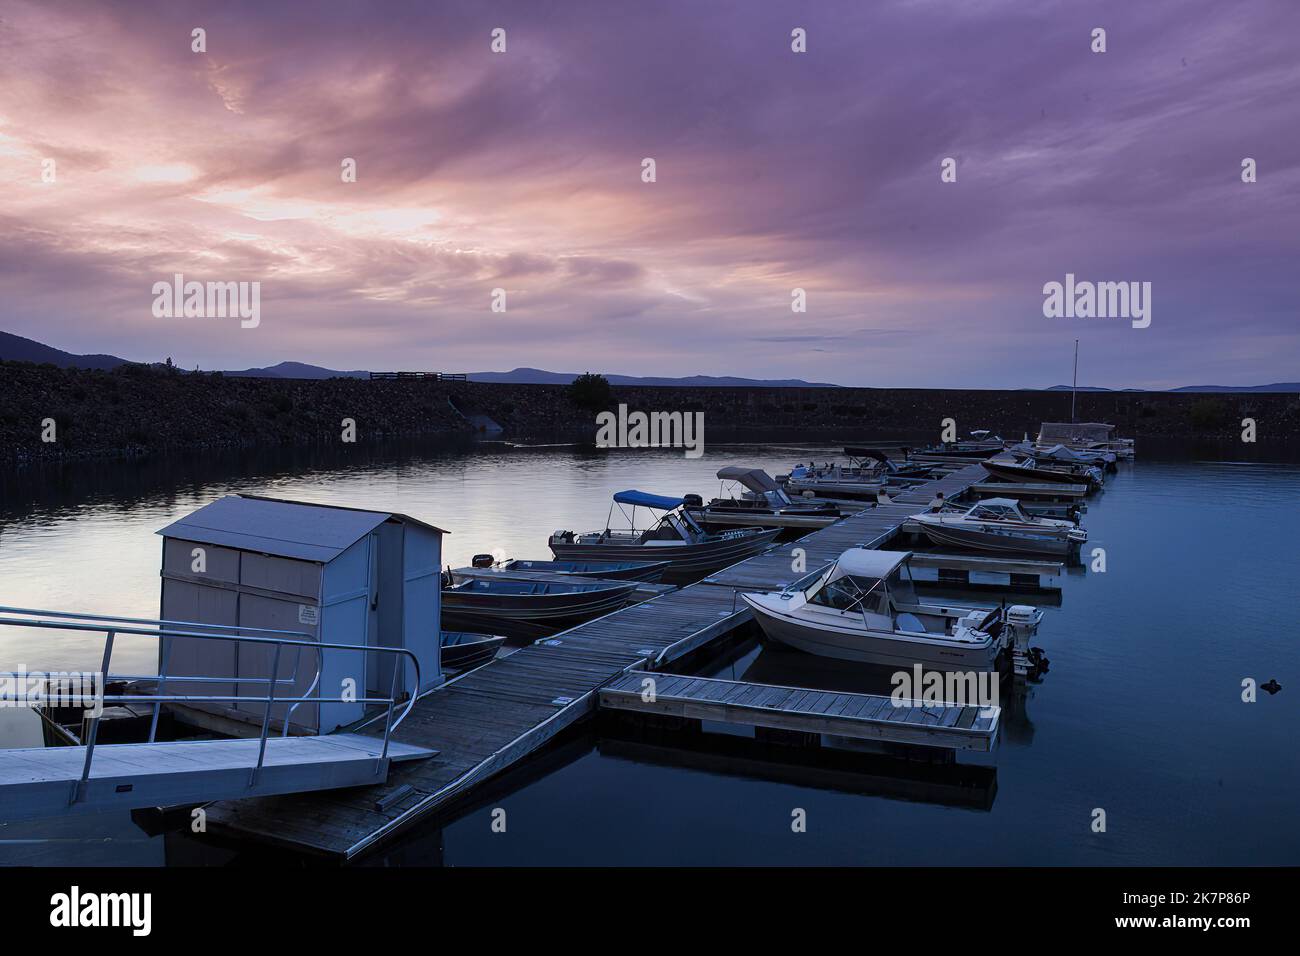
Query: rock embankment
x=144, y=410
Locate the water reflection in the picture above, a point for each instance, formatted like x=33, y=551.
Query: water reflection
x=1141, y=712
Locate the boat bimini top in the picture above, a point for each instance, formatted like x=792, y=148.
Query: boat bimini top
x=646, y=500
x=754, y=479
x=674, y=525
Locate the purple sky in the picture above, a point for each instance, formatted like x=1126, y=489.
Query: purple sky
x=776, y=170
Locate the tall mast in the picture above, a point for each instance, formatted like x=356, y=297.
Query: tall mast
x=1075, y=384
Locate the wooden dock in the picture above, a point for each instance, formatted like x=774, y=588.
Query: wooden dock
x=494, y=716
x=852, y=716
x=1046, y=490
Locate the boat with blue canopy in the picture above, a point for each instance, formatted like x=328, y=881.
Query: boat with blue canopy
x=675, y=537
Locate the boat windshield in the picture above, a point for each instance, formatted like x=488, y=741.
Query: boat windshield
x=850, y=592
x=901, y=587
x=997, y=513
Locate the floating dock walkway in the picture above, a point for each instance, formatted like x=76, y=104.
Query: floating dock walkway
x=40, y=782
x=799, y=709
x=492, y=717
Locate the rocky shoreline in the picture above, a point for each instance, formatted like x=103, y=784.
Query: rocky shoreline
x=139, y=410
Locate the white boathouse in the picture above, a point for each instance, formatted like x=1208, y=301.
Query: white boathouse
x=330, y=574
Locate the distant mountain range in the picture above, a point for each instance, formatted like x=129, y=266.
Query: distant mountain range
x=1275, y=387
x=537, y=376
x=296, y=370
x=15, y=348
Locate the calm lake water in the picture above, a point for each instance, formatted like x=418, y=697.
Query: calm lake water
x=1140, y=715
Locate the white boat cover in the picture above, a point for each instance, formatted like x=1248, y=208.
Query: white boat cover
x=1061, y=453
x=868, y=563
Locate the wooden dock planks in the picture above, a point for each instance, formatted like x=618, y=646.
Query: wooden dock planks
x=494, y=716
x=854, y=716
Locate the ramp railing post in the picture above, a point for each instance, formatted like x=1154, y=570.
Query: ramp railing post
x=162, y=679
x=388, y=717
x=266, y=717
x=79, y=788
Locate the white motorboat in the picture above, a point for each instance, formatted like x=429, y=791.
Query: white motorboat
x=864, y=608
x=863, y=477
x=1000, y=524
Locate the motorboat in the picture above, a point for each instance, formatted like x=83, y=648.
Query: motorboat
x=763, y=499
x=834, y=481
x=886, y=466
x=864, y=608
x=648, y=572
x=675, y=537
x=978, y=445
x=1000, y=524
x=865, y=476
x=527, y=606
x=1059, y=453
x=1027, y=468
x=464, y=650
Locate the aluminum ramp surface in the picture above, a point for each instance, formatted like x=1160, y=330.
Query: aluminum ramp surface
x=40, y=782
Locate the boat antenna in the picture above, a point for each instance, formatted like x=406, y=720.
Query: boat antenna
x=1075, y=384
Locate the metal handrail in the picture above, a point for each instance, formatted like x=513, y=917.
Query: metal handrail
x=165, y=631
x=146, y=620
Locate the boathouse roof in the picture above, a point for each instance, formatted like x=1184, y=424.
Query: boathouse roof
x=278, y=526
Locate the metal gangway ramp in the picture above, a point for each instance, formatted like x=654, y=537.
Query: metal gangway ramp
x=53, y=781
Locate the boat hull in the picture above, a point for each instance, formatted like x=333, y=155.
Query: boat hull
x=649, y=572
x=1027, y=542
x=687, y=562
x=874, y=647
x=1019, y=473
x=866, y=490
x=529, y=615
x=462, y=650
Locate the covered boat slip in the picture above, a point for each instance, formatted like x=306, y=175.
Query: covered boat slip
x=493, y=717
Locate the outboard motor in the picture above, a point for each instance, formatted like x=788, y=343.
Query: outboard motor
x=1022, y=621
x=482, y=561
x=693, y=501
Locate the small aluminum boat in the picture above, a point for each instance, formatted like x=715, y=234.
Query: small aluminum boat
x=527, y=606
x=864, y=608
x=691, y=552
x=463, y=650
x=1000, y=524
x=648, y=572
